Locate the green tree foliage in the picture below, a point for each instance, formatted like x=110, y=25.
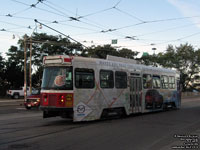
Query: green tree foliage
x=184, y=58
x=2, y=70
x=103, y=51
x=14, y=75
x=1, y=74
x=42, y=45
x=14, y=67
x=16, y=55
x=149, y=60
x=128, y=53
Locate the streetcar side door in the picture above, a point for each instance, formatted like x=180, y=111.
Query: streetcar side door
x=135, y=94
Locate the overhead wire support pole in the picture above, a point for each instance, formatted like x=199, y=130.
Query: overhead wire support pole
x=30, y=65
x=25, y=79
x=30, y=69
x=60, y=33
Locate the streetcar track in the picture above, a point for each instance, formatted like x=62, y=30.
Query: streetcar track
x=42, y=135
x=53, y=124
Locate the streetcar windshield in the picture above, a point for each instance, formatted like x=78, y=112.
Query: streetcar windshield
x=58, y=78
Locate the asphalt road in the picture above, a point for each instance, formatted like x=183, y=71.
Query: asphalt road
x=22, y=129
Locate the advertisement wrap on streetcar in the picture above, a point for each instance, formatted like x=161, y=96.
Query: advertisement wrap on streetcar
x=86, y=89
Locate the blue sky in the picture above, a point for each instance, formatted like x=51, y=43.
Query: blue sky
x=139, y=25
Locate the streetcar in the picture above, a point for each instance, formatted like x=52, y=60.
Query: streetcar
x=86, y=89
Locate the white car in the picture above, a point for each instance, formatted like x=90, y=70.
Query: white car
x=17, y=93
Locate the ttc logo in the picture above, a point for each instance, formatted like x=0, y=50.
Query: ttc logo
x=81, y=109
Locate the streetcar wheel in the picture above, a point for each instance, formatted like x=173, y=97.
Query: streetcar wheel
x=28, y=108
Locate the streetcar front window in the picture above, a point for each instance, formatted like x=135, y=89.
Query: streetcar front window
x=58, y=78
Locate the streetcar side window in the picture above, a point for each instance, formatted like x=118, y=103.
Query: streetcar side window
x=171, y=82
x=156, y=82
x=84, y=78
x=165, y=82
x=147, y=81
x=106, y=79
x=120, y=79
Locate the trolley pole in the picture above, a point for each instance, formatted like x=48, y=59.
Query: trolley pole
x=30, y=69
x=25, y=85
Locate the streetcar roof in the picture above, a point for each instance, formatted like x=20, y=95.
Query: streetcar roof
x=122, y=62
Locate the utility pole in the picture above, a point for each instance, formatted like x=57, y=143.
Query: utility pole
x=30, y=69
x=25, y=85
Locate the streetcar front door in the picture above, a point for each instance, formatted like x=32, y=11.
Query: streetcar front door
x=135, y=94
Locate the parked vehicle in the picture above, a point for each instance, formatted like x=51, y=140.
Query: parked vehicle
x=17, y=93
x=33, y=100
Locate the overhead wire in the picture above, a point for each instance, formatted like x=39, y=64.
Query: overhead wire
x=76, y=18
x=175, y=40
x=155, y=21
x=18, y=12
x=83, y=16
x=168, y=29
x=20, y=2
x=130, y=15
x=13, y=24
x=101, y=11
x=54, y=4
x=34, y=6
x=17, y=28
x=94, y=25
x=67, y=36
x=79, y=27
x=114, y=7
x=65, y=15
x=55, y=9
x=13, y=32
x=30, y=6
x=109, y=31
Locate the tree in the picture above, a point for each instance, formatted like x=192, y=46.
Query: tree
x=16, y=55
x=15, y=67
x=149, y=60
x=184, y=58
x=128, y=53
x=42, y=45
x=102, y=51
x=2, y=73
x=2, y=66
x=14, y=75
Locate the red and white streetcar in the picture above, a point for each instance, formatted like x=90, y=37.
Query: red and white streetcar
x=87, y=89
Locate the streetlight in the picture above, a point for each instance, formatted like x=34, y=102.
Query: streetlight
x=154, y=50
